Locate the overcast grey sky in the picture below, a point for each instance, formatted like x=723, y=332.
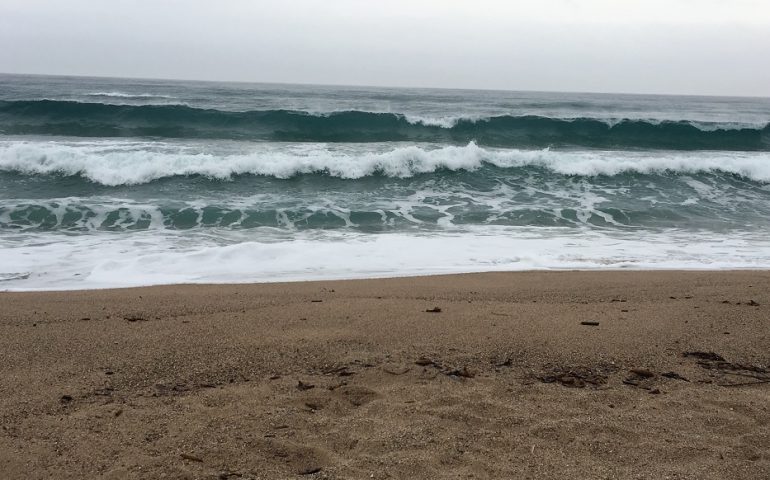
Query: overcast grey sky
x=644, y=46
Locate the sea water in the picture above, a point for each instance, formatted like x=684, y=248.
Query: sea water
x=117, y=182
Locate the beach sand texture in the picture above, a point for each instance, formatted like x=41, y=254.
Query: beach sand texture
x=519, y=375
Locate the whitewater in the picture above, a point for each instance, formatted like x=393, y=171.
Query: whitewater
x=130, y=163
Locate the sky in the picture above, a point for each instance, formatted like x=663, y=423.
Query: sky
x=699, y=47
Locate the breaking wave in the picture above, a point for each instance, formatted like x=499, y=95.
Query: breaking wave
x=51, y=117
x=113, y=164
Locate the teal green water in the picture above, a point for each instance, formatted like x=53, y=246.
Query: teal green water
x=99, y=176
x=523, y=196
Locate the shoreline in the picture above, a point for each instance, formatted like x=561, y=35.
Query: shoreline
x=386, y=277
x=537, y=374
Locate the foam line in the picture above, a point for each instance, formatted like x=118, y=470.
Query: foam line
x=130, y=164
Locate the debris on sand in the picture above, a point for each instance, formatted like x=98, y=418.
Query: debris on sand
x=309, y=470
x=342, y=371
x=674, y=375
x=641, y=378
x=726, y=370
x=424, y=362
x=709, y=356
x=577, y=377
x=302, y=386
x=434, y=310
x=461, y=372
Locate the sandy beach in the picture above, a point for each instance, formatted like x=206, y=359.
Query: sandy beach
x=501, y=375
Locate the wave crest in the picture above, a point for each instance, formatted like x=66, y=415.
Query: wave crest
x=49, y=117
x=128, y=95
x=127, y=163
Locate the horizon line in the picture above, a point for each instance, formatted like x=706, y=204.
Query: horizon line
x=397, y=87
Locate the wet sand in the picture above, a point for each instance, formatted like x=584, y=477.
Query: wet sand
x=519, y=375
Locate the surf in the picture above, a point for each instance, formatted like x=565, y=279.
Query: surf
x=115, y=163
x=89, y=119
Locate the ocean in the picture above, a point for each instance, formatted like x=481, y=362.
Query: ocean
x=123, y=182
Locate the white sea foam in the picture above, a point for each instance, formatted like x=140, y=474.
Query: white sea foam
x=126, y=163
x=101, y=260
x=448, y=121
x=127, y=95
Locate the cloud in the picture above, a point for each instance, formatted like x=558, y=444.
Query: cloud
x=656, y=46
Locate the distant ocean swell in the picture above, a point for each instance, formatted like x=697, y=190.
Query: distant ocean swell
x=80, y=119
x=132, y=163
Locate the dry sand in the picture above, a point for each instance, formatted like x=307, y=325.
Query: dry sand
x=354, y=379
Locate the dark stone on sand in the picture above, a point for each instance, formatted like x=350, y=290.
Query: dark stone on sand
x=191, y=458
x=590, y=324
x=65, y=399
x=434, y=310
x=641, y=372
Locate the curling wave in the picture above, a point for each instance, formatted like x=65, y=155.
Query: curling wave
x=129, y=163
x=51, y=117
